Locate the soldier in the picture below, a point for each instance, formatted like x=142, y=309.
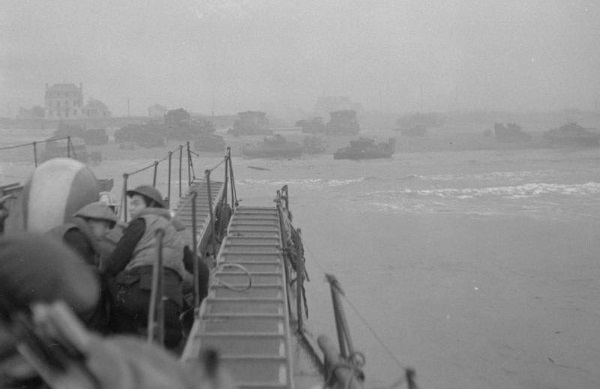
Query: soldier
x=83, y=234
x=130, y=267
x=86, y=230
x=41, y=282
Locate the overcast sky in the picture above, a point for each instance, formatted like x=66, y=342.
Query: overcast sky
x=234, y=55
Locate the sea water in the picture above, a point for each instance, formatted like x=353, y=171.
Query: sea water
x=480, y=269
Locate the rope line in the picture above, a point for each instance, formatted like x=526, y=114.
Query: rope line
x=227, y=285
x=217, y=165
x=141, y=170
x=31, y=143
x=372, y=331
x=16, y=146
x=409, y=372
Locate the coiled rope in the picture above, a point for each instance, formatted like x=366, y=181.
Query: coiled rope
x=227, y=285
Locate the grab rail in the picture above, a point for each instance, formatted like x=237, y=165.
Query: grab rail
x=154, y=165
x=35, y=143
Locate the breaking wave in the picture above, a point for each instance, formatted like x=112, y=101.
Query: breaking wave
x=517, y=191
x=514, y=192
x=304, y=182
x=507, y=175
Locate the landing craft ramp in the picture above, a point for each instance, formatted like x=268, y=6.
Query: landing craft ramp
x=184, y=212
x=248, y=321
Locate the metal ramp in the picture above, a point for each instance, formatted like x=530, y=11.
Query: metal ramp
x=184, y=212
x=250, y=329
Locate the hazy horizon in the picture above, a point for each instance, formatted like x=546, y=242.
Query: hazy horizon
x=228, y=56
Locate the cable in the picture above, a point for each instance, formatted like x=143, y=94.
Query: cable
x=409, y=372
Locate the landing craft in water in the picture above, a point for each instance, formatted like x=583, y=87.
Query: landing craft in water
x=275, y=146
x=572, y=134
x=366, y=148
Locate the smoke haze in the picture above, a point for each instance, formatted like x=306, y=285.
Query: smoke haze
x=229, y=56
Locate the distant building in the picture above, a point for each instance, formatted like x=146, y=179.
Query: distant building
x=63, y=101
x=96, y=109
x=157, y=111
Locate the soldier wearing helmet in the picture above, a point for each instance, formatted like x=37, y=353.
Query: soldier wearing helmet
x=86, y=229
x=84, y=234
x=130, y=267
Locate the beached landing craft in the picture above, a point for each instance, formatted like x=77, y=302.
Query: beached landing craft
x=254, y=316
x=365, y=148
x=275, y=146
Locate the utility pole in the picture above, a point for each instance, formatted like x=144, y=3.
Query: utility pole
x=128, y=107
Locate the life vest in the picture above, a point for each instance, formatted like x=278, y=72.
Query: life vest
x=144, y=253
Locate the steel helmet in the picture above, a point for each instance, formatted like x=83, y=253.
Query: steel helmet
x=98, y=211
x=150, y=193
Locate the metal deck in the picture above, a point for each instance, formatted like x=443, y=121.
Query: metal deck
x=250, y=329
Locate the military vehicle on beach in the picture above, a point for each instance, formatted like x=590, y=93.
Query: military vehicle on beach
x=95, y=137
x=144, y=135
x=572, y=134
x=343, y=122
x=209, y=143
x=510, y=133
x=179, y=125
x=366, y=148
x=275, y=146
x=251, y=123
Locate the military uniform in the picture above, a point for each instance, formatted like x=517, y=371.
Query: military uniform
x=129, y=269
